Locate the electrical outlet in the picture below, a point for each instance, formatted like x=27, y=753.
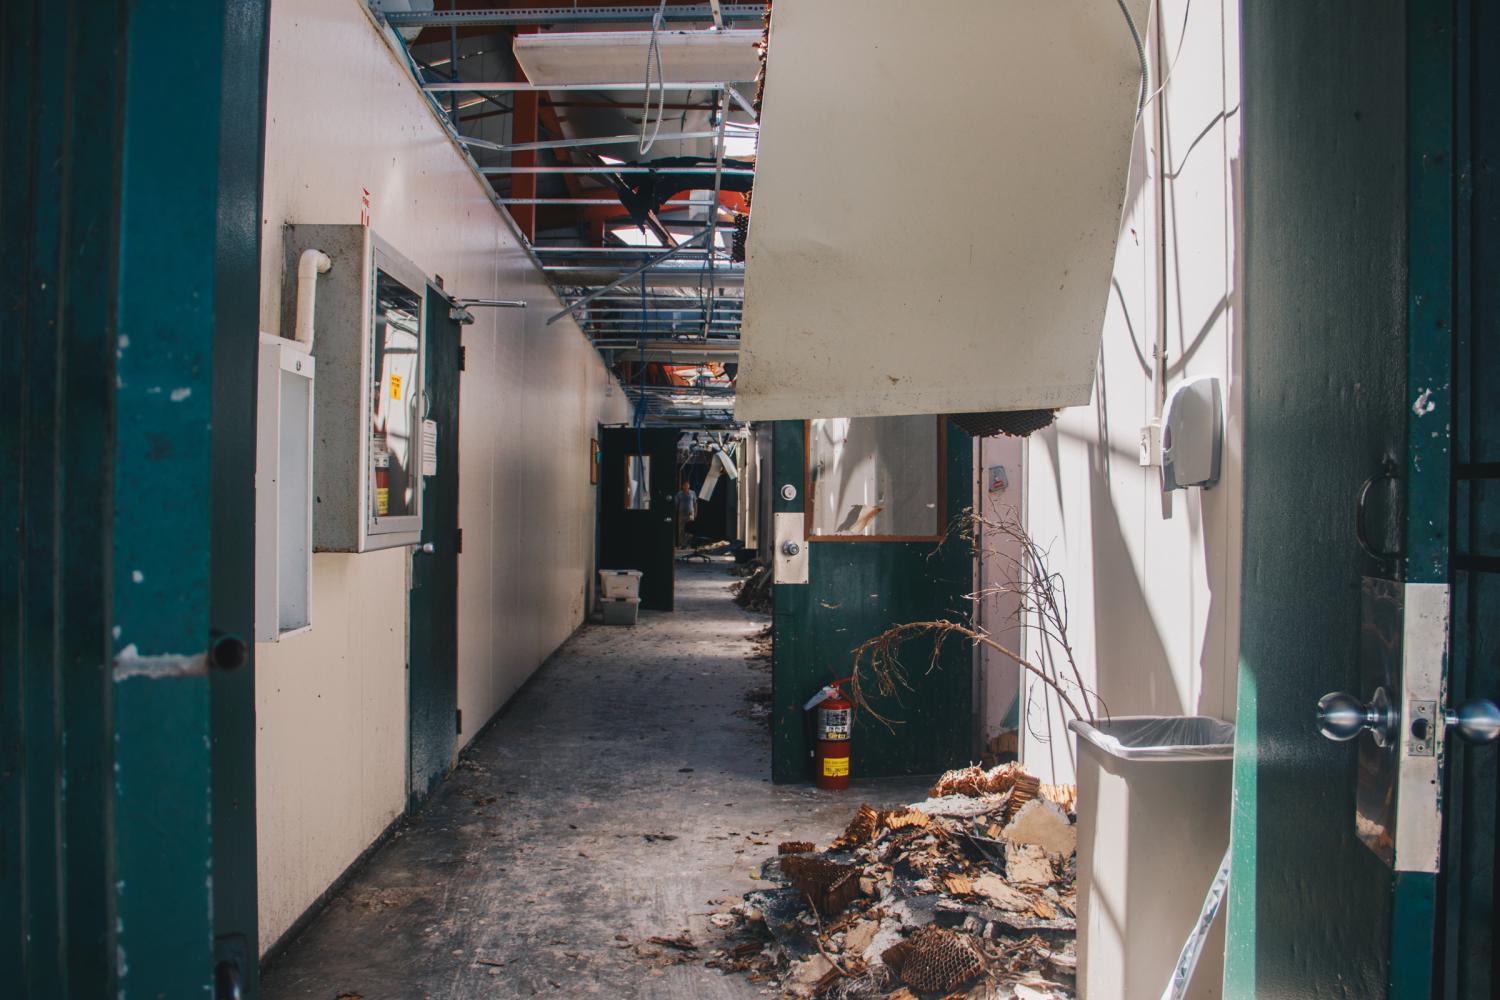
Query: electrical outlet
x=1150, y=453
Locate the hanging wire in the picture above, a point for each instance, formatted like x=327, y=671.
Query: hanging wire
x=653, y=54
x=1171, y=67
x=1140, y=51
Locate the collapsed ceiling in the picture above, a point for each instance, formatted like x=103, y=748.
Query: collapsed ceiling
x=622, y=140
x=861, y=300
x=625, y=139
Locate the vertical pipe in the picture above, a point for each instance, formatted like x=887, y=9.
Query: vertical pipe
x=1159, y=117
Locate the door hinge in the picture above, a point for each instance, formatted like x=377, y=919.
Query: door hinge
x=458, y=540
x=458, y=720
x=463, y=356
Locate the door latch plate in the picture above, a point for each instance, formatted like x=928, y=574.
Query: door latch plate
x=1422, y=725
x=791, y=548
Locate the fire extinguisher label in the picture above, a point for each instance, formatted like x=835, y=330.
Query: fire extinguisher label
x=835, y=767
x=833, y=723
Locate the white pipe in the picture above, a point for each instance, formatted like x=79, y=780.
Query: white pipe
x=1159, y=351
x=311, y=264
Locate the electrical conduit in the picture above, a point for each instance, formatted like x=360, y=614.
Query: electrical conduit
x=311, y=264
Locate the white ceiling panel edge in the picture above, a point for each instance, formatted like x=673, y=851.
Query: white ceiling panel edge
x=938, y=197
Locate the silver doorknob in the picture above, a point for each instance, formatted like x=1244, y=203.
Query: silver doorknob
x=1342, y=716
x=1477, y=720
x=427, y=547
x=790, y=548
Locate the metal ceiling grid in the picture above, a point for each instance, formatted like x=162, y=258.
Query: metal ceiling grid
x=674, y=303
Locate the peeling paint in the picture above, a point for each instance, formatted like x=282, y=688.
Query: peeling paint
x=178, y=395
x=1424, y=404
x=136, y=576
x=131, y=663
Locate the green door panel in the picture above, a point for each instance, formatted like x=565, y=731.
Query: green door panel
x=855, y=591
x=1349, y=236
x=127, y=388
x=1324, y=232
x=1428, y=401
x=1468, y=882
x=432, y=655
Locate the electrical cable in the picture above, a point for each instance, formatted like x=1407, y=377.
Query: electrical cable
x=1140, y=51
x=1171, y=67
x=653, y=52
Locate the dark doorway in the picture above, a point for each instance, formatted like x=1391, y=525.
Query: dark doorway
x=639, y=532
x=432, y=674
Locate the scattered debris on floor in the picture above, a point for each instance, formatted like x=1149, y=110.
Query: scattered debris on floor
x=754, y=592
x=761, y=648
x=757, y=708
x=1002, y=748
x=967, y=894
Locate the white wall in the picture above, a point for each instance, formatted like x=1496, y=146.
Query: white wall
x=343, y=117
x=999, y=555
x=1154, y=598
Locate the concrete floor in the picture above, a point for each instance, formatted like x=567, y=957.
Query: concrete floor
x=619, y=794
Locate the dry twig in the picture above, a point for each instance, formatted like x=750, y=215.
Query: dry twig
x=1042, y=608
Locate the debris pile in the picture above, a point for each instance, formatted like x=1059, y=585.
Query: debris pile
x=754, y=592
x=966, y=894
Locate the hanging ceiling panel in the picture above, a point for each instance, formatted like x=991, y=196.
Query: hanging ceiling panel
x=620, y=56
x=938, y=196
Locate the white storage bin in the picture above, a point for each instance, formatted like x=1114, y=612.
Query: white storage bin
x=620, y=583
x=621, y=610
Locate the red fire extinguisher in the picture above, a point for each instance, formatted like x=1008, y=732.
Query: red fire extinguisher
x=834, y=714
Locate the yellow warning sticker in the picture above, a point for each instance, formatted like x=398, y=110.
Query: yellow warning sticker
x=835, y=767
x=395, y=386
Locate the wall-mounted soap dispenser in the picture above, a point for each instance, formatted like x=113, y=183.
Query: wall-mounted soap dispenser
x=1193, y=435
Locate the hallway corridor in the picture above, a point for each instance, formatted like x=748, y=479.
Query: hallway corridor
x=619, y=797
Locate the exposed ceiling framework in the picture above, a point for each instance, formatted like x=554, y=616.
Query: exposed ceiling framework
x=630, y=191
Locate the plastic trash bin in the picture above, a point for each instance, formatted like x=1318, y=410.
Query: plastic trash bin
x=1153, y=823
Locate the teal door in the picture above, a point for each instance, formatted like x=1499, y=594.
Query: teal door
x=876, y=499
x=130, y=203
x=1349, y=237
x=432, y=653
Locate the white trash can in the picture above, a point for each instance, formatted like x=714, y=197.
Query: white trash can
x=1153, y=824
